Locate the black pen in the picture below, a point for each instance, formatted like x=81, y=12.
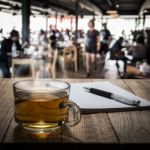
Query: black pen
x=128, y=101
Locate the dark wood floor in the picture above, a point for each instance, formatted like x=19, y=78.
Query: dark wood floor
x=105, y=69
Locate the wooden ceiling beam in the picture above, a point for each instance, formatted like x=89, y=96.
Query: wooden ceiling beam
x=90, y=6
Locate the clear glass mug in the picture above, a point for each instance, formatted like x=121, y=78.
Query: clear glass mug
x=42, y=106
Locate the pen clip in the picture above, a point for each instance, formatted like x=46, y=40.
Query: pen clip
x=136, y=102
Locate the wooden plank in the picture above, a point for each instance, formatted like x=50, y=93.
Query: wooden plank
x=6, y=107
x=76, y=80
x=6, y=93
x=6, y=115
x=93, y=128
x=139, y=87
x=133, y=127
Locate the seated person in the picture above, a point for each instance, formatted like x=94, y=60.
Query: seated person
x=139, y=50
x=117, y=45
x=9, y=49
x=116, y=48
x=116, y=53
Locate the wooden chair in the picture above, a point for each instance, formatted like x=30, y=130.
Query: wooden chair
x=69, y=55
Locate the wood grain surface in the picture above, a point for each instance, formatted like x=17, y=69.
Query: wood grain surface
x=133, y=127
x=118, y=127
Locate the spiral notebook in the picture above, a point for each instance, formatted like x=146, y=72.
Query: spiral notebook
x=91, y=103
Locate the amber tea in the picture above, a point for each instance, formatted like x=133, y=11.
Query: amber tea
x=38, y=111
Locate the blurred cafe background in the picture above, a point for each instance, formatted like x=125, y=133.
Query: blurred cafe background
x=49, y=38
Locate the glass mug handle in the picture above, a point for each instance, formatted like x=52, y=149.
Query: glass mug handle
x=75, y=112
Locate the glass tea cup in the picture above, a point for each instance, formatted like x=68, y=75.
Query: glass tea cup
x=42, y=106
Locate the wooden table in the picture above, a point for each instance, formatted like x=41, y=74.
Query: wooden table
x=117, y=127
x=23, y=61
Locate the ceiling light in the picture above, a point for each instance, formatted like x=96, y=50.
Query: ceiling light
x=111, y=12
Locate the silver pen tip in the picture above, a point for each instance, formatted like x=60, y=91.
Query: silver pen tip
x=86, y=88
x=136, y=102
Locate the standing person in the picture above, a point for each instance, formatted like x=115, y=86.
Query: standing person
x=9, y=49
x=43, y=40
x=53, y=39
x=105, y=38
x=92, y=45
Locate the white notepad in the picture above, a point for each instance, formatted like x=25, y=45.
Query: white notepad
x=90, y=103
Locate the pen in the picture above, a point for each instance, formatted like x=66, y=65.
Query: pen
x=128, y=101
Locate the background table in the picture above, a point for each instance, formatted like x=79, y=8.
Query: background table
x=23, y=61
x=117, y=127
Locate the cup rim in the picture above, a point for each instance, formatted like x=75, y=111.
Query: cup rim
x=67, y=83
